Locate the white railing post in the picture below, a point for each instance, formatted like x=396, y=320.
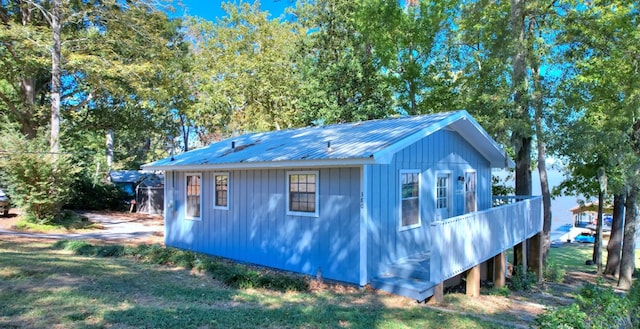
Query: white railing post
x=435, y=263
x=461, y=242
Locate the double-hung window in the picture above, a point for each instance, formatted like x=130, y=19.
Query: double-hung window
x=302, y=193
x=193, y=196
x=409, y=199
x=221, y=193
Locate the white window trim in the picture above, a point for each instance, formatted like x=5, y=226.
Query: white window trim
x=215, y=196
x=420, y=184
x=186, y=206
x=303, y=213
x=450, y=191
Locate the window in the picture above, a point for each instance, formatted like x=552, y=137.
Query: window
x=302, y=196
x=221, y=193
x=410, y=199
x=442, y=192
x=193, y=194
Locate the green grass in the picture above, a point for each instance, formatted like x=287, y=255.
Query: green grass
x=68, y=285
x=70, y=221
x=572, y=257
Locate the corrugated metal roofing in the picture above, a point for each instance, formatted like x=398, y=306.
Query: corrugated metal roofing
x=361, y=141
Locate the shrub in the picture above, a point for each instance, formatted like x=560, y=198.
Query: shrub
x=38, y=182
x=554, y=273
x=96, y=195
x=520, y=282
x=595, y=307
x=634, y=303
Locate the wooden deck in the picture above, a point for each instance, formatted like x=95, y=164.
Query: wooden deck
x=461, y=243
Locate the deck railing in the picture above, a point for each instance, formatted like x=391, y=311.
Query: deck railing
x=462, y=242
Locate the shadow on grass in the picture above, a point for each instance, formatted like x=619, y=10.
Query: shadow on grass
x=42, y=287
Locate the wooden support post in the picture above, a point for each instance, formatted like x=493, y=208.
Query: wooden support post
x=473, y=281
x=520, y=256
x=438, y=294
x=535, y=255
x=499, y=265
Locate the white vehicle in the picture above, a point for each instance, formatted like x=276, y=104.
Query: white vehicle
x=5, y=203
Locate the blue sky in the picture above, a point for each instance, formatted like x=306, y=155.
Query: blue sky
x=210, y=9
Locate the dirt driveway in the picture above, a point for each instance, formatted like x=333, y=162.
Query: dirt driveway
x=109, y=226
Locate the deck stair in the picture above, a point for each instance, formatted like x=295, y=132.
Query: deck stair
x=409, y=277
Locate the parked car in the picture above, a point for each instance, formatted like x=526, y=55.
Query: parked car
x=585, y=238
x=5, y=203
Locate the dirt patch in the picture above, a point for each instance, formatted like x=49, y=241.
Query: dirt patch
x=106, y=227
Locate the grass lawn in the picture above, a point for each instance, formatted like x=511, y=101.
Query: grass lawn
x=46, y=287
x=572, y=257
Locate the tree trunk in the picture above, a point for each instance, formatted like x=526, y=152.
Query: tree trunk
x=627, y=263
x=519, y=138
x=614, y=246
x=54, y=143
x=542, y=165
x=597, y=246
x=109, y=144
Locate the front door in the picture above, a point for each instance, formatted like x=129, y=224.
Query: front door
x=470, y=201
x=443, y=196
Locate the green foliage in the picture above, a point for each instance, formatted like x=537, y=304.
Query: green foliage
x=633, y=295
x=338, y=66
x=522, y=281
x=232, y=274
x=38, y=182
x=88, y=194
x=595, y=307
x=554, y=273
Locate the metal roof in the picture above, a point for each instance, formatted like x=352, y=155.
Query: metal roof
x=356, y=143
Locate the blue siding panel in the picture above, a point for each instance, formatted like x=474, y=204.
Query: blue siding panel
x=444, y=150
x=257, y=230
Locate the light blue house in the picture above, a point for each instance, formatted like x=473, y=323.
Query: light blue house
x=402, y=204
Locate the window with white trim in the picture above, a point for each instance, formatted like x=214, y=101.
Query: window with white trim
x=442, y=192
x=302, y=193
x=409, y=199
x=221, y=192
x=193, y=196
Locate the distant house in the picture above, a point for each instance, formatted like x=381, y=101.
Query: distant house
x=402, y=204
x=145, y=187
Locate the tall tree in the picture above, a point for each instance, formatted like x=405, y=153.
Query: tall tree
x=601, y=40
x=244, y=74
x=341, y=82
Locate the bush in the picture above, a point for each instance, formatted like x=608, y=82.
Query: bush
x=38, y=182
x=554, y=273
x=595, y=307
x=90, y=195
x=634, y=303
x=520, y=282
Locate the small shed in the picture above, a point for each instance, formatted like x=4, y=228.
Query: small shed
x=145, y=187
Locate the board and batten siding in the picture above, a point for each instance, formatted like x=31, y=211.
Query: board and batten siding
x=256, y=228
x=444, y=150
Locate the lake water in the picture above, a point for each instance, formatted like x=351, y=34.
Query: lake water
x=560, y=206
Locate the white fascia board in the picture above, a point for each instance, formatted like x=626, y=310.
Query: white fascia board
x=473, y=132
x=386, y=155
x=267, y=165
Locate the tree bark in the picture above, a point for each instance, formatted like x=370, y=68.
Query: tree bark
x=597, y=246
x=56, y=74
x=627, y=263
x=521, y=137
x=109, y=144
x=542, y=164
x=614, y=247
